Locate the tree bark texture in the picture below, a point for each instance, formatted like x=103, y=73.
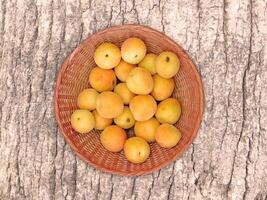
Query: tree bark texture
x=227, y=39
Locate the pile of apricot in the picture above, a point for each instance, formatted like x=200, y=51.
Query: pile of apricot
x=130, y=89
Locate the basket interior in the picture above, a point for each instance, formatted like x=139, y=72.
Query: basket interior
x=74, y=78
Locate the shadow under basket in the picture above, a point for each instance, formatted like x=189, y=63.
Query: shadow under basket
x=73, y=78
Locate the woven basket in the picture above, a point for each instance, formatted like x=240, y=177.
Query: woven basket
x=73, y=78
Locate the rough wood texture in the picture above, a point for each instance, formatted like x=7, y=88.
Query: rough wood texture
x=227, y=39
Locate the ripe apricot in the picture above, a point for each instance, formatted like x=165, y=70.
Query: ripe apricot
x=167, y=64
x=163, y=87
x=113, y=138
x=149, y=62
x=82, y=121
x=167, y=135
x=133, y=50
x=101, y=122
x=126, y=119
x=87, y=99
x=136, y=150
x=123, y=70
x=109, y=105
x=107, y=55
x=169, y=111
x=122, y=90
x=102, y=79
x=143, y=107
x=146, y=129
x=140, y=81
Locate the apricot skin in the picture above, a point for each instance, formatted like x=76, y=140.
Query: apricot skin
x=109, y=105
x=169, y=111
x=140, y=81
x=107, y=55
x=122, y=90
x=101, y=122
x=143, y=107
x=163, y=88
x=149, y=62
x=133, y=50
x=102, y=79
x=87, y=99
x=167, y=64
x=126, y=119
x=82, y=121
x=113, y=138
x=123, y=70
x=167, y=135
x=136, y=150
x=147, y=129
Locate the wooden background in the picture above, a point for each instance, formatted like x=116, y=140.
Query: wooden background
x=227, y=40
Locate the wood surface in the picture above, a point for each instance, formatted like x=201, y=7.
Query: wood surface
x=227, y=39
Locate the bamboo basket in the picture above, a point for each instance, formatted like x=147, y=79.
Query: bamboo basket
x=73, y=78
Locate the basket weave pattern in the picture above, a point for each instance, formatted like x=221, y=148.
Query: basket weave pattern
x=73, y=78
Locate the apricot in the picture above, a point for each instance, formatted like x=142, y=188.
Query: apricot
x=136, y=150
x=140, y=81
x=122, y=90
x=146, y=129
x=82, y=121
x=149, y=63
x=167, y=135
x=113, y=138
x=169, y=111
x=167, y=64
x=107, y=55
x=101, y=122
x=126, y=119
x=143, y=107
x=133, y=50
x=87, y=99
x=123, y=70
x=163, y=87
x=102, y=79
x=109, y=105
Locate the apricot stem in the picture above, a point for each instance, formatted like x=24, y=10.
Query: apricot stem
x=167, y=59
